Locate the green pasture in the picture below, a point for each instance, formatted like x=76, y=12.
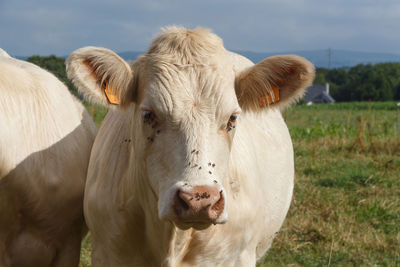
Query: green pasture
x=346, y=210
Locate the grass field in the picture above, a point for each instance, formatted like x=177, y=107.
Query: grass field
x=347, y=189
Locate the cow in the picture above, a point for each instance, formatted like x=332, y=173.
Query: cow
x=46, y=139
x=193, y=164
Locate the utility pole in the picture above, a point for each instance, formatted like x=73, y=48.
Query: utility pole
x=329, y=57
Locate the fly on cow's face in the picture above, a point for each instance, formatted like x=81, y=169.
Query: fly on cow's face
x=229, y=126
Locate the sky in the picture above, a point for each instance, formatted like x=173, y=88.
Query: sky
x=44, y=27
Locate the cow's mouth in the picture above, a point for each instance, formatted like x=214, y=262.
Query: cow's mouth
x=195, y=225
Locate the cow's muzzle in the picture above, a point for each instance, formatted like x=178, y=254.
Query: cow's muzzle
x=198, y=205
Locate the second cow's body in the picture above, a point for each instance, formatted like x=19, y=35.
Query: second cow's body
x=46, y=137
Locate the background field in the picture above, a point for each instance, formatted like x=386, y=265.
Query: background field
x=347, y=190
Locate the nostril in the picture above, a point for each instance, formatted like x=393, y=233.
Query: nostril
x=180, y=204
x=218, y=207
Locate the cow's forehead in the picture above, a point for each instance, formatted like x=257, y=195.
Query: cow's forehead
x=186, y=69
x=174, y=89
x=185, y=47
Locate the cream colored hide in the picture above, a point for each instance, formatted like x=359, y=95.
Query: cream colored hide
x=45, y=142
x=194, y=167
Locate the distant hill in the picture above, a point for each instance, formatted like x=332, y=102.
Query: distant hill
x=320, y=58
x=339, y=58
x=132, y=55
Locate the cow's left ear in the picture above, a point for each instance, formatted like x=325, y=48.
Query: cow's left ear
x=102, y=76
x=276, y=81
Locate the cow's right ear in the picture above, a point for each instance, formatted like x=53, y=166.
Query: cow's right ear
x=101, y=76
x=277, y=81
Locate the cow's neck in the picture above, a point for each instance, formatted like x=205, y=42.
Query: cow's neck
x=161, y=243
x=165, y=244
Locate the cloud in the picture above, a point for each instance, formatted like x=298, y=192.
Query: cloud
x=54, y=26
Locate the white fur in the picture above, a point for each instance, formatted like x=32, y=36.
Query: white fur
x=46, y=138
x=3, y=53
x=187, y=79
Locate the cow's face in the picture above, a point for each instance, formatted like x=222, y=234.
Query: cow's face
x=189, y=115
x=189, y=96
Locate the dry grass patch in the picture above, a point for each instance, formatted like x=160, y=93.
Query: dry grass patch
x=347, y=210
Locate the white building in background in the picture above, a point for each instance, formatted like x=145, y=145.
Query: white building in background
x=318, y=94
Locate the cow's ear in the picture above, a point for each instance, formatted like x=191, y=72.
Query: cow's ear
x=276, y=81
x=101, y=76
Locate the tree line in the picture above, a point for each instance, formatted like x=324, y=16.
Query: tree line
x=55, y=65
x=380, y=82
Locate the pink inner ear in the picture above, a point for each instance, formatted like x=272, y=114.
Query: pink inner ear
x=292, y=69
x=287, y=72
x=88, y=64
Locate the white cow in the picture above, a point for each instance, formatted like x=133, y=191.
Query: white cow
x=194, y=166
x=45, y=142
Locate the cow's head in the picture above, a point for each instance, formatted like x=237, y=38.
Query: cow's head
x=188, y=97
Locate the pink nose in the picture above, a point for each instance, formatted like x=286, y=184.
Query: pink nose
x=201, y=204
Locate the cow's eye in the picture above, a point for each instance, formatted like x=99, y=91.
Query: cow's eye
x=148, y=116
x=232, y=122
x=233, y=117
